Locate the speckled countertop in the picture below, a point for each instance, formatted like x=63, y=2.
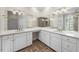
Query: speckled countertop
x=36, y=29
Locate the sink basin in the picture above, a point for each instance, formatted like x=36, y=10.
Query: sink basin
x=8, y=32
x=70, y=33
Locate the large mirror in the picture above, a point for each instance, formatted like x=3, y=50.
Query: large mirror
x=66, y=22
x=12, y=20
x=16, y=21
x=70, y=22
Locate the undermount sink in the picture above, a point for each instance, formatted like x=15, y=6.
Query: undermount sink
x=71, y=33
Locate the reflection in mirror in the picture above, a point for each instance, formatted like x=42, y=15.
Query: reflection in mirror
x=65, y=22
x=71, y=22
x=12, y=20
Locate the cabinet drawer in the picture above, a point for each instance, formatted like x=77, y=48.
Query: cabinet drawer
x=69, y=39
x=55, y=35
x=69, y=46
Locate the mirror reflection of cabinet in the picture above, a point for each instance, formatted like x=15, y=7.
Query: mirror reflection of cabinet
x=12, y=20
x=60, y=22
x=43, y=22
x=66, y=22
x=76, y=23
x=71, y=22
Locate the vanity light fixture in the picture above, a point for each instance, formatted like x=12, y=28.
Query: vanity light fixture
x=65, y=9
x=18, y=11
x=61, y=11
x=57, y=12
x=14, y=12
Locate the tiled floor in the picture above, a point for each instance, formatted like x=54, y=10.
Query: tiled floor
x=37, y=46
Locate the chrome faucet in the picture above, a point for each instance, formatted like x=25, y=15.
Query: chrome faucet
x=19, y=28
x=60, y=30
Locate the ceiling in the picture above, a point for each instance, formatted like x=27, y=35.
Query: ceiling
x=42, y=9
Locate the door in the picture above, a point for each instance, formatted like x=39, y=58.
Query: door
x=7, y=43
x=19, y=41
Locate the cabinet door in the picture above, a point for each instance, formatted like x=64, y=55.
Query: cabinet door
x=44, y=37
x=69, y=44
x=19, y=41
x=41, y=36
x=55, y=42
x=0, y=44
x=7, y=43
x=28, y=38
x=77, y=45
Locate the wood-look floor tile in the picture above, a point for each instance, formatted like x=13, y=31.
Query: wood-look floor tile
x=37, y=46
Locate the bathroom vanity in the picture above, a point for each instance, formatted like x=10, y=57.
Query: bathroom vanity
x=59, y=41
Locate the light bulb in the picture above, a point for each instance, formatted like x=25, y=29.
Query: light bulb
x=19, y=13
x=14, y=12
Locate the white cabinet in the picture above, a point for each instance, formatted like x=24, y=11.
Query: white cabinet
x=7, y=43
x=77, y=45
x=28, y=38
x=19, y=41
x=41, y=36
x=0, y=44
x=22, y=40
x=65, y=50
x=55, y=42
x=69, y=44
x=44, y=37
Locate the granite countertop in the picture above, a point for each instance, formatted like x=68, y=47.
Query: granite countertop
x=18, y=31
x=66, y=33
